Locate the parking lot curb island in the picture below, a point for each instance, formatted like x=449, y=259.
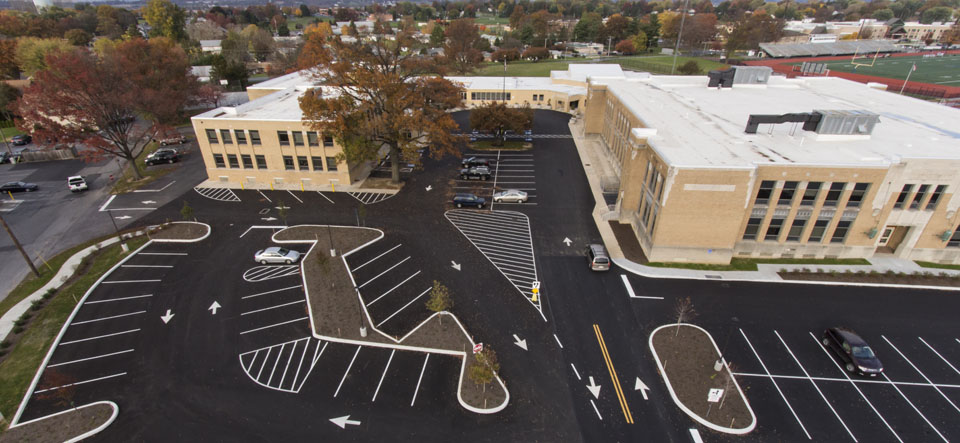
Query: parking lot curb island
x=179, y=240
x=90, y=433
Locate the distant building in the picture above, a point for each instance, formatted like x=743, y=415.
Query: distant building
x=211, y=46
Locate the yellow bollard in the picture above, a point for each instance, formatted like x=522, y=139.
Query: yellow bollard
x=271, y=186
x=11, y=196
x=301, y=187
x=241, y=187
x=333, y=188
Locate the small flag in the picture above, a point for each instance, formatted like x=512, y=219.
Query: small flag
x=914, y=67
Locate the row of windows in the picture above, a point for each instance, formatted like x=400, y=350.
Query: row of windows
x=652, y=192
x=227, y=136
x=811, y=192
x=796, y=229
x=490, y=96
x=919, y=196
x=540, y=99
x=301, y=164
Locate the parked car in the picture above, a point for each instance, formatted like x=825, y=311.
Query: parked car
x=510, y=196
x=175, y=139
x=276, y=254
x=470, y=162
x=854, y=352
x=474, y=135
x=528, y=135
x=77, y=183
x=22, y=139
x=162, y=156
x=461, y=200
x=597, y=258
x=477, y=172
x=18, y=187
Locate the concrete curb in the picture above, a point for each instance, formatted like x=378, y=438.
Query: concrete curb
x=673, y=395
x=92, y=432
x=194, y=240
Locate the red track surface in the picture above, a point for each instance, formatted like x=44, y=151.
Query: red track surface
x=784, y=65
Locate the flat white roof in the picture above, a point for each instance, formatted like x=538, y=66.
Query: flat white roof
x=698, y=126
x=516, y=84
x=279, y=106
x=298, y=78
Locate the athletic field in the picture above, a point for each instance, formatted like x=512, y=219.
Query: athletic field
x=933, y=70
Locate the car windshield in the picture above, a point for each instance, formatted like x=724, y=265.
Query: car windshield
x=282, y=251
x=863, y=352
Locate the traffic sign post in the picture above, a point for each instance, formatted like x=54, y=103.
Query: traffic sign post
x=535, y=290
x=478, y=348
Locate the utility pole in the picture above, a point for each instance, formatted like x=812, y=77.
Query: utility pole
x=19, y=247
x=123, y=245
x=676, y=49
x=609, y=39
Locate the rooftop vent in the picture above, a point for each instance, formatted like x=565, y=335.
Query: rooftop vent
x=740, y=75
x=821, y=121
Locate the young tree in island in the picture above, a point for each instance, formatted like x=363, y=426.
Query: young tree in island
x=460, y=50
x=683, y=309
x=377, y=94
x=440, y=300
x=83, y=98
x=485, y=367
x=496, y=118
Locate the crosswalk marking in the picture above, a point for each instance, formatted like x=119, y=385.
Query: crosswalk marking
x=218, y=194
x=287, y=357
x=369, y=198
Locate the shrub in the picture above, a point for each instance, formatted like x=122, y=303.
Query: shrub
x=18, y=329
x=861, y=272
x=889, y=272
x=690, y=68
x=5, y=344
x=36, y=305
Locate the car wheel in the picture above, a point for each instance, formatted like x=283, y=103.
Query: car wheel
x=480, y=206
x=459, y=205
x=826, y=342
x=288, y=261
x=30, y=190
x=484, y=178
x=263, y=262
x=850, y=367
x=170, y=161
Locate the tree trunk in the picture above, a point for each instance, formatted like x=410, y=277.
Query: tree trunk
x=394, y=164
x=133, y=165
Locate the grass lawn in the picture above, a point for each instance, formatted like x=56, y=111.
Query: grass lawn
x=487, y=19
x=10, y=132
x=19, y=367
x=937, y=70
x=750, y=264
x=656, y=64
x=927, y=264
x=150, y=174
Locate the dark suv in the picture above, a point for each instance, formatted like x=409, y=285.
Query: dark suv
x=162, y=156
x=461, y=200
x=477, y=172
x=470, y=162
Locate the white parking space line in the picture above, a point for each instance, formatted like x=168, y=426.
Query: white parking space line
x=289, y=359
x=275, y=363
x=162, y=253
x=263, y=273
x=316, y=356
x=264, y=364
x=864, y=397
x=274, y=325
x=626, y=283
x=347, y=372
x=695, y=435
x=422, y=370
x=824, y=397
x=372, y=259
x=271, y=292
x=107, y=203
x=596, y=410
x=300, y=365
x=79, y=383
x=261, y=227
x=575, y=372
x=324, y=196
x=384, y=375
x=97, y=337
x=858, y=381
x=89, y=358
x=118, y=299
x=395, y=287
x=915, y=409
x=921, y=373
x=128, y=281
x=255, y=354
x=294, y=196
x=938, y=355
x=404, y=306
x=558, y=340
x=146, y=266
x=106, y=318
x=265, y=196
x=384, y=272
x=273, y=307
x=775, y=385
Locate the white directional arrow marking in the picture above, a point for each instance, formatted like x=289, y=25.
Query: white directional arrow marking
x=148, y=202
x=281, y=207
x=594, y=388
x=123, y=217
x=268, y=218
x=520, y=343
x=166, y=318
x=639, y=386
x=213, y=308
x=455, y=265
x=344, y=421
x=429, y=188
x=567, y=241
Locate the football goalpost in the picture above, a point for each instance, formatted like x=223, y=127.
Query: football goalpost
x=856, y=55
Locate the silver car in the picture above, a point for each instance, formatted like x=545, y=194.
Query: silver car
x=276, y=254
x=510, y=196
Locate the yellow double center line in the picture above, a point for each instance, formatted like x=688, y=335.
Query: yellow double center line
x=613, y=376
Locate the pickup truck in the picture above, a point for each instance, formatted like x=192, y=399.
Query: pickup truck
x=477, y=172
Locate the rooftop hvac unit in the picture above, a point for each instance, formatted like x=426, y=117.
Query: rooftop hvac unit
x=740, y=75
x=847, y=122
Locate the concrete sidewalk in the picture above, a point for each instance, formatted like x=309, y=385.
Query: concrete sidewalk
x=597, y=165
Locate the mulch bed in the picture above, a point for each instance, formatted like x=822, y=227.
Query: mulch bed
x=628, y=242
x=896, y=279
x=381, y=183
x=61, y=427
x=180, y=231
x=688, y=357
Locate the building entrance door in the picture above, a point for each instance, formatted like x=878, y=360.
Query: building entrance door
x=891, y=238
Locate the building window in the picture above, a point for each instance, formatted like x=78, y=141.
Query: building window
x=753, y=225
x=534, y=97
x=327, y=141
x=232, y=158
x=297, y=138
x=955, y=238
x=288, y=162
x=312, y=139
x=919, y=196
x=810, y=194
x=489, y=96
x=902, y=198
x=816, y=234
x=302, y=163
x=317, y=163
x=773, y=231
x=833, y=195
x=247, y=161
x=840, y=234
x=331, y=163
x=935, y=197
x=255, y=137
x=241, y=137
x=763, y=194
x=261, y=162
x=225, y=136
x=212, y=136
x=857, y=195
x=796, y=229
x=787, y=193
x=284, y=138
x=218, y=160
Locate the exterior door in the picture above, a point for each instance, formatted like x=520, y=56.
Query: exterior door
x=899, y=233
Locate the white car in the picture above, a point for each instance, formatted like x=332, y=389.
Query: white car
x=276, y=254
x=510, y=196
x=77, y=183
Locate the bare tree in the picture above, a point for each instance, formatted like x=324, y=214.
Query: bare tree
x=683, y=308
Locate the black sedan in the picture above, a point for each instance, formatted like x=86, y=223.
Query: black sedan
x=22, y=139
x=854, y=351
x=18, y=187
x=461, y=200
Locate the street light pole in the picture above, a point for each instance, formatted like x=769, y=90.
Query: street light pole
x=676, y=49
x=19, y=247
x=123, y=245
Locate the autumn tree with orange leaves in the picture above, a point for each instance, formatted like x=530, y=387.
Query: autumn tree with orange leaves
x=95, y=100
x=380, y=93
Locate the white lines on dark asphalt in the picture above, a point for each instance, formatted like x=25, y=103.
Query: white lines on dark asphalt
x=935, y=387
x=274, y=325
x=324, y=196
x=858, y=381
x=273, y=307
x=372, y=259
x=369, y=198
x=284, y=366
x=262, y=273
x=558, y=340
x=270, y=292
x=118, y=299
x=79, y=383
x=575, y=371
x=915, y=409
x=89, y=358
x=146, y=266
x=404, y=306
x=596, y=410
x=128, y=281
x=384, y=272
x=938, y=355
x=775, y=385
x=395, y=287
x=695, y=435
x=162, y=253
x=217, y=193
x=259, y=227
x=264, y=196
x=106, y=318
x=384, y=375
x=422, y=370
x=626, y=283
x=294, y=196
x=97, y=337
x=347, y=372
